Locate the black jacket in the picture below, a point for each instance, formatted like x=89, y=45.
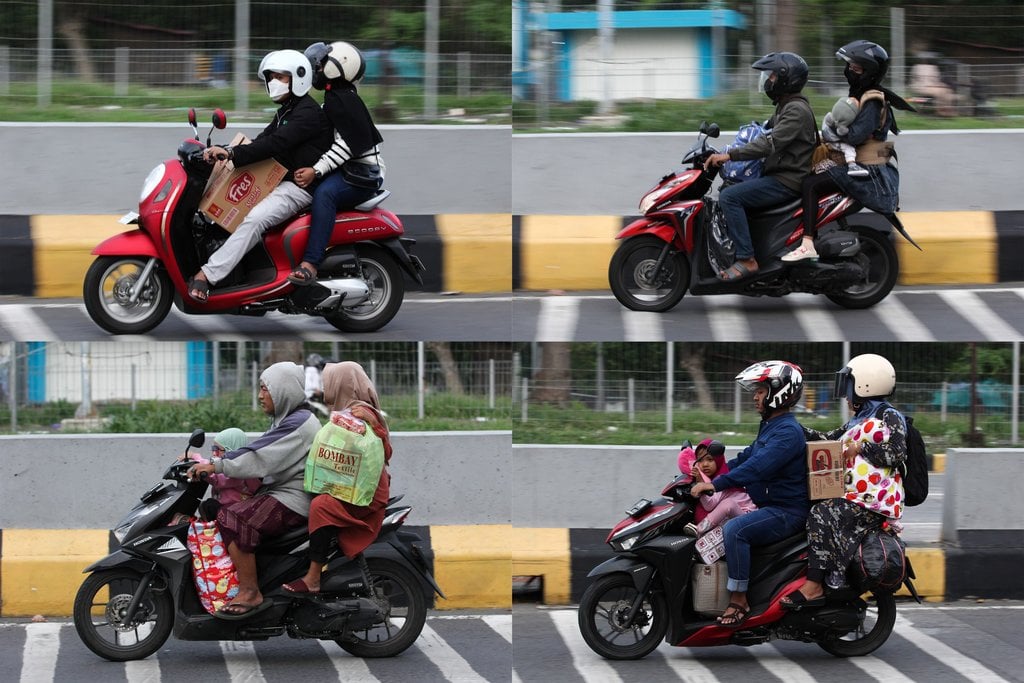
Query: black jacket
x=297, y=137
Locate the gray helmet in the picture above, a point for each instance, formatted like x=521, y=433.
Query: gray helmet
x=315, y=360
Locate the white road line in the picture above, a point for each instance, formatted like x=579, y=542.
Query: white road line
x=209, y=327
x=242, y=662
x=817, y=323
x=24, y=323
x=879, y=670
x=726, y=318
x=984, y=319
x=557, y=318
x=901, y=322
x=306, y=327
x=39, y=656
x=782, y=667
x=143, y=670
x=452, y=665
x=642, y=325
x=501, y=623
x=349, y=668
x=590, y=665
x=686, y=663
x=971, y=669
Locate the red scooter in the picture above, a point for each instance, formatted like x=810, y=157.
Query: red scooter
x=129, y=288
x=648, y=592
x=681, y=243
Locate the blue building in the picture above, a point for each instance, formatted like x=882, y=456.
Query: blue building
x=672, y=54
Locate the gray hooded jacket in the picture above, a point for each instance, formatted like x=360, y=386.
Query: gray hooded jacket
x=279, y=456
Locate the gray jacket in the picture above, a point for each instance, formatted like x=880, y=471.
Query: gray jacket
x=279, y=455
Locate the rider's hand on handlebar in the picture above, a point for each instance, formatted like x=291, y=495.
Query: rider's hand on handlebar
x=200, y=471
x=214, y=154
x=715, y=160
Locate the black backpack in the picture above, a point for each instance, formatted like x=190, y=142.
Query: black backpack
x=915, y=468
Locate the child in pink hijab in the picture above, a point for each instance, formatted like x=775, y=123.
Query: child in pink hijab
x=703, y=463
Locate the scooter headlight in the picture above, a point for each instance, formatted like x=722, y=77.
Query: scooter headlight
x=626, y=543
x=152, y=180
x=121, y=532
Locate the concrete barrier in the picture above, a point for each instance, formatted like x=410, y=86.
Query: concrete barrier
x=62, y=493
x=958, y=247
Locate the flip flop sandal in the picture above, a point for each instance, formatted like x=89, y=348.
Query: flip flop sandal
x=238, y=610
x=302, y=276
x=736, y=271
x=796, y=601
x=738, y=616
x=298, y=586
x=199, y=290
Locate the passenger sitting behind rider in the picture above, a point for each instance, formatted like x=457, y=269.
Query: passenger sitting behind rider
x=279, y=457
x=786, y=146
x=703, y=463
x=774, y=471
x=296, y=137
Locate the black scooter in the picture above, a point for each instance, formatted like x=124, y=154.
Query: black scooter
x=373, y=606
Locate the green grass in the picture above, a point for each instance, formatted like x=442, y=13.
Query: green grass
x=93, y=102
x=729, y=112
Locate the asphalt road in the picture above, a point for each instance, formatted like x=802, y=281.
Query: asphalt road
x=935, y=642
x=423, y=317
x=454, y=646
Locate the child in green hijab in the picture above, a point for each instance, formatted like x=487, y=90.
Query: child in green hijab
x=227, y=490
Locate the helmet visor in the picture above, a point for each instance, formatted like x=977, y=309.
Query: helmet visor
x=842, y=384
x=749, y=385
x=762, y=81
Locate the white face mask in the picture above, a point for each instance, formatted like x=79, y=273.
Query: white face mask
x=278, y=89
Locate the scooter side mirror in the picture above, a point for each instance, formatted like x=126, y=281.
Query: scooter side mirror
x=220, y=119
x=714, y=131
x=193, y=121
x=197, y=439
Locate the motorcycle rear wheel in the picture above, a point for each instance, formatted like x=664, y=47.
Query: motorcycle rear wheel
x=634, y=282
x=602, y=613
x=99, y=616
x=872, y=633
x=879, y=260
x=387, y=290
x=401, y=598
x=107, y=289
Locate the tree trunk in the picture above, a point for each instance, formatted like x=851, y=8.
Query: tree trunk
x=553, y=382
x=786, y=20
x=692, y=360
x=452, y=381
x=277, y=352
x=71, y=27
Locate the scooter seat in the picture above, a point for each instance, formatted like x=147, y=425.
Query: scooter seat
x=284, y=542
x=779, y=547
x=781, y=209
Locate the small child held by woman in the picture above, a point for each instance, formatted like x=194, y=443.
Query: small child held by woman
x=703, y=463
x=226, y=490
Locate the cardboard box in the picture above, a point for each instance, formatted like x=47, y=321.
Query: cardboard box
x=825, y=469
x=711, y=546
x=232, y=192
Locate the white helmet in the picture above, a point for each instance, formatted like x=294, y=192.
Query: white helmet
x=784, y=381
x=291, y=62
x=865, y=376
x=335, y=60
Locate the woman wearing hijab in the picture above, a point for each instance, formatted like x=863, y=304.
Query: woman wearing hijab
x=346, y=387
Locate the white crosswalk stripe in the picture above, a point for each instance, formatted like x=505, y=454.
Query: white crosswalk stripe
x=39, y=656
x=589, y=665
x=969, y=668
x=728, y=322
x=557, y=321
x=243, y=665
x=445, y=657
x=642, y=325
x=24, y=323
x=976, y=311
x=349, y=668
x=898, y=318
x=501, y=623
x=816, y=323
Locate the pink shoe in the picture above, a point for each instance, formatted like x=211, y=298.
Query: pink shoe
x=800, y=253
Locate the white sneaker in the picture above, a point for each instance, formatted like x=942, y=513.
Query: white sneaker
x=800, y=253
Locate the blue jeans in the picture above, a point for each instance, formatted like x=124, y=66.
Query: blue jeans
x=758, y=193
x=331, y=194
x=763, y=526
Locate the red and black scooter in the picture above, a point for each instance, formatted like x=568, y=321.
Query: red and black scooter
x=681, y=243
x=136, y=276
x=646, y=593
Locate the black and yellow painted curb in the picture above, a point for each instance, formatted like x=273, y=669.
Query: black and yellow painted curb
x=47, y=256
x=41, y=569
x=959, y=247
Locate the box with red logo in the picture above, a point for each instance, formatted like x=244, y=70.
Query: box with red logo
x=825, y=469
x=232, y=192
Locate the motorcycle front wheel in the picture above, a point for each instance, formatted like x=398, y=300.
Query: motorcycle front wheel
x=387, y=289
x=604, y=619
x=401, y=599
x=636, y=281
x=881, y=266
x=100, y=616
x=874, y=630
x=107, y=291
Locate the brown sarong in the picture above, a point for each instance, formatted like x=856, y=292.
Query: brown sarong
x=249, y=521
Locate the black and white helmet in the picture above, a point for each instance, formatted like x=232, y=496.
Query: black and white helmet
x=783, y=380
x=335, y=60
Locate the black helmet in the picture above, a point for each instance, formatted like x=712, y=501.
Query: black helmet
x=315, y=360
x=871, y=57
x=790, y=71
